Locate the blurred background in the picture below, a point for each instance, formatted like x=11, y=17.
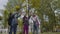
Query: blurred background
x=48, y=12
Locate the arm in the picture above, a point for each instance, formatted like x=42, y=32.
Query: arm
x=29, y=17
x=18, y=15
x=38, y=21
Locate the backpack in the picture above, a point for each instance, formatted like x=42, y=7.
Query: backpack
x=9, y=20
x=35, y=21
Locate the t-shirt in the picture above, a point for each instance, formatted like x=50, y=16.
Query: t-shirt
x=35, y=20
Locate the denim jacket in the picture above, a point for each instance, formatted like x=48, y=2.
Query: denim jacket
x=15, y=19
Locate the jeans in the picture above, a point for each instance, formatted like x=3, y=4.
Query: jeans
x=13, y=29
x=25, y=29
x=35, y=28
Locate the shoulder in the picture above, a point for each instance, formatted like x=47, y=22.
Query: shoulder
x=36, y=16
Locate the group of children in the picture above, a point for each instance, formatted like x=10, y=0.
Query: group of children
x=13, y=23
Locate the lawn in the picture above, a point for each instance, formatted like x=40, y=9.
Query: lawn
x=51, y=33
x=45, y=33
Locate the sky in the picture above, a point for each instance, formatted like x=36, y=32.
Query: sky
x=2, y=3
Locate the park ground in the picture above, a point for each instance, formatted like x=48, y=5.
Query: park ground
x=51, y=33
x=41, y=33
x=47, y=33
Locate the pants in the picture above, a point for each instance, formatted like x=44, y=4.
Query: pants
x=35, y=28
x=13, y=29
x=25, y=29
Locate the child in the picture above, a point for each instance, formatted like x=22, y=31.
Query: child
x=26, y=24
x=35, y=23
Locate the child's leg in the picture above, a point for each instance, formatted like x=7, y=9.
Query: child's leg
x=33, y=30
x=15, y=29
x=37, y=30
x=27, y=29
x=11, y=28
x=24, y=29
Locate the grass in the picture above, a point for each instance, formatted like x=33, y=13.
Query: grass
x=44, y=33
x=51, y=33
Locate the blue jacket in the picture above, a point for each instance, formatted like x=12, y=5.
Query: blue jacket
x=15, y=19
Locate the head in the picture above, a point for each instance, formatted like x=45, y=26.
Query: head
x=34, y=15
x=10, y=14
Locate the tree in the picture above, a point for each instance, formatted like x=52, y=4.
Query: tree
x=5, y=18
x=46, y=9
x=0, y=17
x=12, y=6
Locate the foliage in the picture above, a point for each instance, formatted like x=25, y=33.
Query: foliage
x=43, y=7
x=1, y=17
x=11, y=6
x=5, y=18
